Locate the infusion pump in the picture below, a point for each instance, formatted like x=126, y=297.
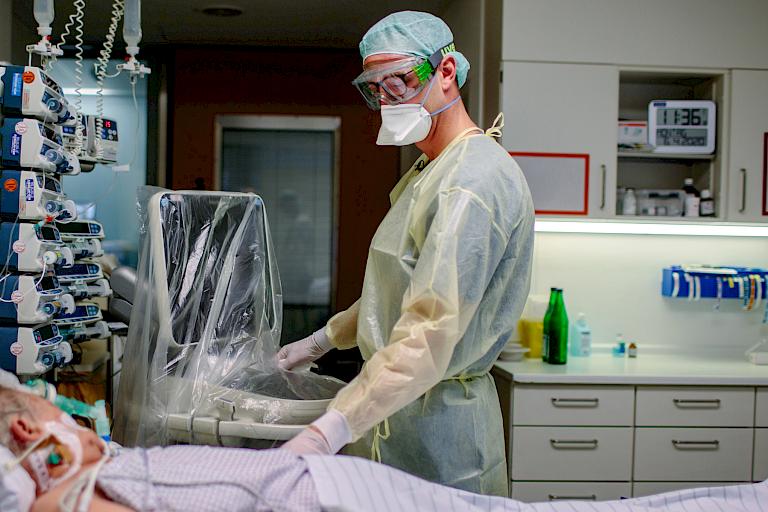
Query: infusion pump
x=99, y=140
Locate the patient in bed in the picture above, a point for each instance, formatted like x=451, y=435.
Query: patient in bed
x=50, y=463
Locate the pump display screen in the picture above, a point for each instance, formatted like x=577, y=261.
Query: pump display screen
x=109, y=130
x=50, y=83
x=50, y=134
x=49, y=184
x=49, y=233
x=79, y=269
x=48, y=283
x=46, y=332
x=80, y=228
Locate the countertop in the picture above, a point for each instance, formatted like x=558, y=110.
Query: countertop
x=661, y=369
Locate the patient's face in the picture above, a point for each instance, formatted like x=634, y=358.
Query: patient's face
x=92, y=445
x=27, y=431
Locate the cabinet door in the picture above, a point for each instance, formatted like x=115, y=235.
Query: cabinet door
x=747, y=180
x=531, y=492
x=597, y=454
x=695, y=454
x=560, y=113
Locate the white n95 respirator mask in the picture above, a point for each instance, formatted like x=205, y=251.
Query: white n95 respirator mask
x=407, y=123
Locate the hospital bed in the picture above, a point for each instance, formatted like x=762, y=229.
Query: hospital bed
x=379, y=488
x=199, y=364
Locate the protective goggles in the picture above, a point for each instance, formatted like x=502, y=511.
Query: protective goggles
x=397, y=82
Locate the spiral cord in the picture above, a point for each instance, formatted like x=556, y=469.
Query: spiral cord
x=118, y=7
x=76, y=20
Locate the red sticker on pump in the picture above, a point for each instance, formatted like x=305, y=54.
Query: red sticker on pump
x=11, y=185
x=17, y=348
x=20, y=128
x=17, y=297
x=19, y=247
x=28, y=77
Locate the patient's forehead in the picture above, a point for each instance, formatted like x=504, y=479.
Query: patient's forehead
x=41, y=409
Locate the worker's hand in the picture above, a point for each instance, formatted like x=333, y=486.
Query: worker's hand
x=309, y=442
x=304, y=351
x=326, y=436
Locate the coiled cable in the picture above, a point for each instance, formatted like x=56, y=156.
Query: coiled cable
x=118, y=7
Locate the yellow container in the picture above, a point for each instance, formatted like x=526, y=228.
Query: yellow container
x=531, y=336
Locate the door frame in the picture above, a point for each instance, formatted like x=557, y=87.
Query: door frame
x=289, y=123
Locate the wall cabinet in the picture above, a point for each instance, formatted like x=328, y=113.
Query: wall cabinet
x=556, y=113
x=595, y=442
x=570, y=72
x=683, y=33
x=559, y=111
x=748, y=169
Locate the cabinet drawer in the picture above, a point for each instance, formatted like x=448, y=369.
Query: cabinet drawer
x=573, y=405
x=558, y=491
x=579, y=453
x=761, y=411
x=649, y=488
x=696, y=407
x=693, y=454
x=761, y=455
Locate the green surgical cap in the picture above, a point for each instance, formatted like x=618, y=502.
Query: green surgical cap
x=417, y=34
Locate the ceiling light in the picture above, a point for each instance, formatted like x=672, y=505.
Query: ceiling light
x=222, y=11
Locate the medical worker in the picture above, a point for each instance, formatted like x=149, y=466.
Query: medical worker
x=446, y=279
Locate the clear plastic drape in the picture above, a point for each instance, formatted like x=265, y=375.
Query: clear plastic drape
x=206, y=319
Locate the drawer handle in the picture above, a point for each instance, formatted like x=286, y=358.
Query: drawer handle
x=575, y=402
x=696, y=445
x=692, y=403
x=574, y=444
x=557, y=497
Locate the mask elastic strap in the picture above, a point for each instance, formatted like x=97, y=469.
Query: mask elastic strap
x=446, y=106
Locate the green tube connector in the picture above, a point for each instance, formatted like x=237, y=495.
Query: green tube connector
x=96, y=412
x=102, y=422
x=72, y=406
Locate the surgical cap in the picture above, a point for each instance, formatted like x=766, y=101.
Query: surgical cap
x=418, y=34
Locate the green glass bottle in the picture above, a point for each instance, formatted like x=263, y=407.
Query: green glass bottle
x=557, y=332
x=545, y=325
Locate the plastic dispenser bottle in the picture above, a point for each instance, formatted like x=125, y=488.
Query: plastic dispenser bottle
x=132, y=26
x=43, y=11
x=692, y=199
x=629, y=204
x=581, y=338
x=707, y=204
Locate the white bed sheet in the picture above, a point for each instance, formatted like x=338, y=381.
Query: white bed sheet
x=351, y=484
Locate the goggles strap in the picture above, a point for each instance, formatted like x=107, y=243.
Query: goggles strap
x=426, y=68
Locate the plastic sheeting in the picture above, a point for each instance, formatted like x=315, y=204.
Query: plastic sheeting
x=205, y=326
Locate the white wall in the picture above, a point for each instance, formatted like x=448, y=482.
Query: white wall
x=112, y=194
x=616, y=281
